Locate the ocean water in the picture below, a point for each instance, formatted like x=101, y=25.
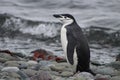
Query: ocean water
x=26, y=25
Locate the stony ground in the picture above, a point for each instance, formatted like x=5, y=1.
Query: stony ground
x=17, y=68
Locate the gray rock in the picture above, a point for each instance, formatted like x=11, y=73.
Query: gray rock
x=29, y=72
x=115, y=78
x=1, y=67
x=15, y=63
x=58, y=78
x=6, y=56
x=11, y=63
x=31, y=63
x=57, y=68
x=83, y=76
x=54, y=73
x=10, y=69
x=41, y=75
x=66, y=74
x=100, y=76
x=9, y=76
x=115, y=64
x=3, y=60
x=106, y=71
x=44, y=63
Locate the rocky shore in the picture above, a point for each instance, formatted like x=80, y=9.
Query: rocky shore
x=19, y=67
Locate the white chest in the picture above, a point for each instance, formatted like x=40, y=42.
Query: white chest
x=64, y=43
x=64, y=38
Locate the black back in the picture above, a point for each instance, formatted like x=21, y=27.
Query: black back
x=77, y=40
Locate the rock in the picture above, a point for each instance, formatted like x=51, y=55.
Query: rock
x=31, y=62
x=1, y=67
x=14, y=75
x=6, y=52
x=45, y=63
x=57, y=68
x=42, y=75
x=97, y=63
x=106, y=70
x=3, y=60
x=53, y=73
x=12, y=53
x=10, y=69
x=15, y=63
x=115, y=78
x=6, y=56
x=118, y=57
x=102, y=77
x=46, y=55
x=84, y=76
x=11, y=63
x=23, y=75
x=59, y=78
x=66, y=74
x=115, y=64
x=23, y=66
x=61, y=67
x=9, y=76
x=80, y=78
x=13, y=79
x=29, y=72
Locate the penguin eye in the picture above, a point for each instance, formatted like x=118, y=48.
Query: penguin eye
x=65, y=17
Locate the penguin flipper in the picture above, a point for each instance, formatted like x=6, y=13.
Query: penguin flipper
x=70, y=48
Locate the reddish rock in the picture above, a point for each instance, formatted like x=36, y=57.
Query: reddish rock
x=45, y=55
x=102, y=79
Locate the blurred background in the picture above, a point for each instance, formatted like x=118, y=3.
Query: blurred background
x=26, y=25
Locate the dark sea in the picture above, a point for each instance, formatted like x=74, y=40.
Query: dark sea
x=27, y=25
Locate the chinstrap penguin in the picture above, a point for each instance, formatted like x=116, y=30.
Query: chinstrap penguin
x=74, y=43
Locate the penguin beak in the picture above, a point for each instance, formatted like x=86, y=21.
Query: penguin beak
x=57, y=16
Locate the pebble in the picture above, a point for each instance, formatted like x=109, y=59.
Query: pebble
x=66, y=74
x=6, y=56
x=115, y=78
x=106, y=70
x=41, y=75
x=29, y=72
x=57, y=68
x=10, y=69
x=84, y=76
x=115, y=64
x=3, y=60
x=31, y=62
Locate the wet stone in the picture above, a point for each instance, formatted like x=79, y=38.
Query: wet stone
x=29, y=72
x=57, y=68
x=106, y=70
x=115, y=78
x=66, y=74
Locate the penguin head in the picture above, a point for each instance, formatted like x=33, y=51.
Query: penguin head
x=65, y=18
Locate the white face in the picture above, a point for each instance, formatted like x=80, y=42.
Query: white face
x=66, y=20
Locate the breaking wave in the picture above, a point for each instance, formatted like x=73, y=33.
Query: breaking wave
x=11, y=26
x=16, y=27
